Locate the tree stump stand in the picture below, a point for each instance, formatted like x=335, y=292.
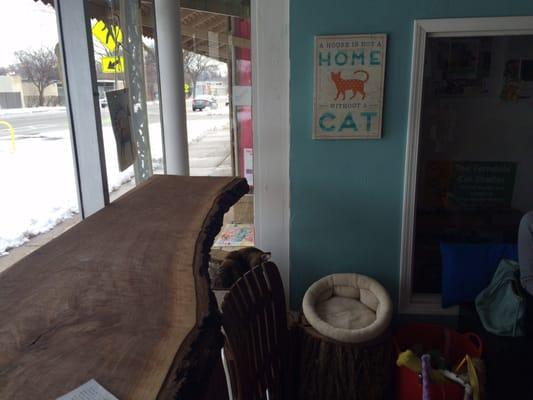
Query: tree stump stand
x=332, y=370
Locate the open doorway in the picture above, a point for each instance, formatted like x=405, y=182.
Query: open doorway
x=469, y=165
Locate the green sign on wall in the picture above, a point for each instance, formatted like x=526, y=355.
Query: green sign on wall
x=482, y=184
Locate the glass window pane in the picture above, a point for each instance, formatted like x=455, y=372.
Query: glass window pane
x=39, y=196
x=129, y=102
x=218, y=76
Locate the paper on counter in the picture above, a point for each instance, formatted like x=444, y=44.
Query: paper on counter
x=90, y=390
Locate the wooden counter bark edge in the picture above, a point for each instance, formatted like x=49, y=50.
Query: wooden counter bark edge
x=197, y=355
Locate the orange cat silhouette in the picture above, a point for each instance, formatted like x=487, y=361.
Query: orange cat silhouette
x=355, y=85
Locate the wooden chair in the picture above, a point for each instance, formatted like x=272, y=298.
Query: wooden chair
x=254, y=317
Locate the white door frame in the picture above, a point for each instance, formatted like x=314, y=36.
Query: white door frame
x=271, y=126
x=495, y=26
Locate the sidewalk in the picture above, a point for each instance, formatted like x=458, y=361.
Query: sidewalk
x=211, y=156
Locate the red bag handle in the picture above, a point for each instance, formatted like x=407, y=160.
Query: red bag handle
x=476, y=340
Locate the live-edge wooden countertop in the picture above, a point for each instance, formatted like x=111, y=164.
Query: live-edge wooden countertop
x=123, y=297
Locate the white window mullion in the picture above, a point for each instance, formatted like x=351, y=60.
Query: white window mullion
x=82, y=104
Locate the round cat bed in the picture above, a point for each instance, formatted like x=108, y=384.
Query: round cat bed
x=350, y=308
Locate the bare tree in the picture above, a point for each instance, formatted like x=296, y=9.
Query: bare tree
x=150, y=71
x=195, y=65
x=39, y=67
x=213, y=73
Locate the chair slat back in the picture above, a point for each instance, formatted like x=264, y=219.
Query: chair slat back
x=254, y=317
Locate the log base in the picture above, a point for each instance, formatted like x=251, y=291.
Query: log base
x=331, y=370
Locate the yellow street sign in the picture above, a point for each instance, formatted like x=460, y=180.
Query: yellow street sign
x=109, y=36
x=112, y=64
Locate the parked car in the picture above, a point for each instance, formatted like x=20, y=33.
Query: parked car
x=201, y=102
x=103, y=102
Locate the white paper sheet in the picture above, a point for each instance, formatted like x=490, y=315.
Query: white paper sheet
x=90, y=390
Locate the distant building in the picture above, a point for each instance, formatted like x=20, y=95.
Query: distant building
x=11, y=91
x=18, y=93
x=213, y=88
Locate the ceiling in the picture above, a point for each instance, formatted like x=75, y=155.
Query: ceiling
x=205, y=24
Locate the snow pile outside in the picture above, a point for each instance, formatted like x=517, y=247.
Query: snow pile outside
x=38, y=188
x=31, y=110
x=38, y=179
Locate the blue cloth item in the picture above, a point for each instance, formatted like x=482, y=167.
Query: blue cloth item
x=468, y=268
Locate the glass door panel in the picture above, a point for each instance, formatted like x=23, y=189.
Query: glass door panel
x=218, y=77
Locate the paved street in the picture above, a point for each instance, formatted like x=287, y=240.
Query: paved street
x=208, y=133
x=35, y=123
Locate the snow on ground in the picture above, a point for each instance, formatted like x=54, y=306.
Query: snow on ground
x=38, y=188
x=31, y=110
x=37, y=181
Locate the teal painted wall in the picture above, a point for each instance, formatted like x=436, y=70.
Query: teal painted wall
x=346, y=196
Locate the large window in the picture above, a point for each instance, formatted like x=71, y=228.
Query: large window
x=38, y=198
x=218, y=86
x=217, y=71
x=124, y=132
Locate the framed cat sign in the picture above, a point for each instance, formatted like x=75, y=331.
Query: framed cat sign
x=349, y=80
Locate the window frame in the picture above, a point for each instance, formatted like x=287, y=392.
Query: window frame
x=271, y=129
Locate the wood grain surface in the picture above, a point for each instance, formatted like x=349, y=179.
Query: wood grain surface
x=254, y=317
x=123, y=297
x=330, y=370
